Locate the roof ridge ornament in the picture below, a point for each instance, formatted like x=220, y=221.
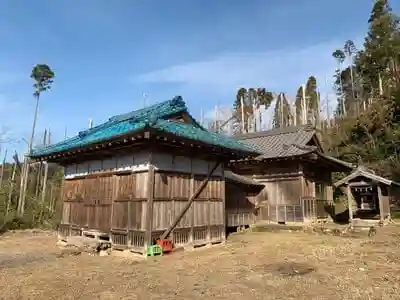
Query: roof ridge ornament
x=177, y=100
x=153, y=118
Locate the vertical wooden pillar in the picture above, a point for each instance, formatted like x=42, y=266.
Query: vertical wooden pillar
x=208, y=206
x=115, y=191
x=314, y=201
x=313, y=189
x=294, y=213
x=329, y=193
x=390, y=199
x=149, y=210
x=350, y=204
x=301, y=178
x=191, y=212
x=223, y=195
x=285, y=213
x=380, y=200
x=208, y=220
x=128, y=230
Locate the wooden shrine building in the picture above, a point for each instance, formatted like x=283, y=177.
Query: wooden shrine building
x=296, y=172
x=144, y=174
x=240, y=193
x=369, y=196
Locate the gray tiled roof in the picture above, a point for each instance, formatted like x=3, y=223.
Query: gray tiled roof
x=363, y=172
x=281, y=142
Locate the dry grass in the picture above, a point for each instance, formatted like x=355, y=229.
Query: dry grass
x=264, y=265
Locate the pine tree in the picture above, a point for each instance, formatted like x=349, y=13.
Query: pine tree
x=312, y=100
x=283, y=116
x=252, y=99
x=340, y=57
x=299, y=106
x=242, y=96
x=263, y=98
x=372, y=134
x=380, y=59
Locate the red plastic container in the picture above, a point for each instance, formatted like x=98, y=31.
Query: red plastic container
x=166, y=245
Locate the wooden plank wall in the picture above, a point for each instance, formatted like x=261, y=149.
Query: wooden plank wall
x=104, y=202
x=317, y=193
x=394, y=199
x=289, y=194
x=108, y=195
x=239, y=206
x=176, y=178
x=113, y=199
x=280, y=200
x=385, y=194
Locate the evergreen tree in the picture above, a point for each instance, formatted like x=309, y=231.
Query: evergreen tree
x=283, y=116
x=340, y=57
x=371, y=136
x=252, y=99
x=379, y=63
x=263, y=98
x=242, y=96
x=299, y=106
x=312, y=100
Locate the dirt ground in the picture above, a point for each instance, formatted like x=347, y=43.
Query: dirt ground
x=252, y=265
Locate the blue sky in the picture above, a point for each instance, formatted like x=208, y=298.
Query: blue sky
x=106, y=54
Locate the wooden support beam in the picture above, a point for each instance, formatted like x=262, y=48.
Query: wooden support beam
x=350, y=205
x=223, y=193
x=149, y=211
x=191, y=199
x=114, y=197
x=191, y=213
x=380, y=200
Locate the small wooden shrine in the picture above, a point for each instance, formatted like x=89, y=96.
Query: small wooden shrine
x=369, y=196
x=144, y=174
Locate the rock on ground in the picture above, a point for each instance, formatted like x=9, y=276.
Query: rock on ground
x=85, y=244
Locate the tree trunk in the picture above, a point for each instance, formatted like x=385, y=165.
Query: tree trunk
x=341, y=89
x=2, y=169
x=46, y=171
x=51, y=198
x=352, y=87
x=10, y=192
x=24, y=177
x=38, y=181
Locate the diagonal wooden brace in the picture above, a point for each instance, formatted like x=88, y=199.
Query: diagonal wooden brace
x=190, y=201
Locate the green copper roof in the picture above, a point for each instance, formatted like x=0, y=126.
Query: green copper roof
x=156, y=117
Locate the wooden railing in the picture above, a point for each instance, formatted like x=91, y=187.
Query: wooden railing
x=283, y=213
x=309, y=208
x=315, y=208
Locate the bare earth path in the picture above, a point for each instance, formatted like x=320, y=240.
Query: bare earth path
x=285, y=265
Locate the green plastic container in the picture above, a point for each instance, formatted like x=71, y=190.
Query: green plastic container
x=154, y=250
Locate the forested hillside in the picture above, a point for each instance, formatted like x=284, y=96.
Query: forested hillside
x=367, y=118
x=365, y=126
